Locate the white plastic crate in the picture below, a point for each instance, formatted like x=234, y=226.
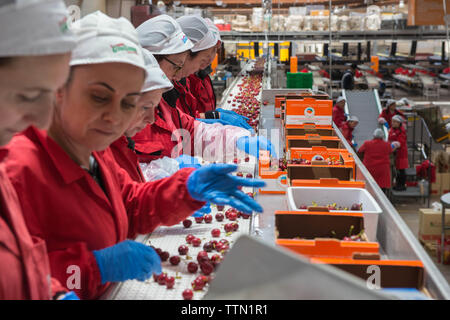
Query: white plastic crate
x=343, y=197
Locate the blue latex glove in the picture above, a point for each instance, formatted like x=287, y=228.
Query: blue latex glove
x=214, y=183
x=386, y=125
x=186, y=161
x=355, y=145
x=251, y=145
x=212, y=121
x=203, y=210
x=127, y=260
x=234, y=118
x=70, y=296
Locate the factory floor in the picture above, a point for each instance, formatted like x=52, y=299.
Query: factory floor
x=409, y=211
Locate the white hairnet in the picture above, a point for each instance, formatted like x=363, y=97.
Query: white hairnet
x=156, y=78
x=198, y=31
x=163, y=35
x=353, y=118
x=340, y=99
x=397, y=118
x=213, y=28
x=378, y=134
x=390, y=101
x=34, y=27
x=102, y=39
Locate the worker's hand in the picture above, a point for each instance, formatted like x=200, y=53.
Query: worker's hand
x=127, y=260
x=203, y=210
x=186, y=161
x=214, y=183
x=212, y=121
x=382, y=121
x=69, y=296
x=395, y=145
x=386, y=125
x=234, y=118
x=252, y=145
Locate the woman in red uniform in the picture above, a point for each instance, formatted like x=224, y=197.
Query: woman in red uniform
x=397, y=133
x=339, y=116
x=73, y=193
x=26, y=54
x=155, y=85
x=376, y=159
x=385, y=117
x=174, y=132
x=348, y=127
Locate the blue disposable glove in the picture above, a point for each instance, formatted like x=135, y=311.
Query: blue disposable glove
x=70, y=296
x=386, y=125
x=214, y=183
x=203, y=210
x=127, y=260
x=355, y=145
x=251, y=145
x=212, y=121
x=234, y=118
x=186, y=161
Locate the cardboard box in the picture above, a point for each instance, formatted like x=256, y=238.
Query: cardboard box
x=426, y=12
x=430, y=224
x=436, y=187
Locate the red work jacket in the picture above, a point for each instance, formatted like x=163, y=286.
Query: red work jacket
x=126, y=158
x=201, y=88
x=339, y=116
x=376, y=160
x=186, y=101
x=24, y=266
x=161, y=138
x=63, y=205
x=401, y=157
x=347, y=132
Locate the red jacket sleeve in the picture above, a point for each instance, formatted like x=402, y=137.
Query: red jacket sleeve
x=162, y=202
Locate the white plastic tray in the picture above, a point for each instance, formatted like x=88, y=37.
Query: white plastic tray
x=344, y=197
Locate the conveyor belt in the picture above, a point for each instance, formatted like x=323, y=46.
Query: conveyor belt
x=365, y=105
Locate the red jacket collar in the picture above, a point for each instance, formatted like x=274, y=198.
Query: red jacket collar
x=69, y=170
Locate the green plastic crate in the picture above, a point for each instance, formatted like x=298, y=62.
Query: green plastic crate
x=299, y=80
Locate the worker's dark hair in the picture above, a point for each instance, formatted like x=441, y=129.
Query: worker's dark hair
x=5, y=60
x=159, y=57
x=193, y=54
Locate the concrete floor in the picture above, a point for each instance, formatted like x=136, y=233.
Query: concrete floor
x=409, y=211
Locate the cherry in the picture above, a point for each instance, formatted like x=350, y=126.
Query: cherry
x=170, y=281
x=215, y=232
x=162, y=279
x=245, y=216
x=174, y=260
x=208, y=218
x=207, y=267
x=219, y=217
x=204, y=278
x=158, y=251
x=228, y=227
x=208, y=246
x=236, y=160
x=232, y=216
x=249, y=176
x=235, y=226
x=219, y=247
x=198, y=284
x=182, y=250
x=155, y=277
x=215, y=260
x=239, y=174
x=247, y=159
x=220, y=208
x=224, y=241
x=164, y=256
x=189, y=238
x=202, y=256
x=199, y=219
x=187, y=223
x=304, y=207
x=250, y=194
x=187, y=294
x=192, y=267
x=196, y=242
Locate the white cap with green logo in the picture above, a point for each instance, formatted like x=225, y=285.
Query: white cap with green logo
x=102, y=39
x=34, y=27
x=156, y=78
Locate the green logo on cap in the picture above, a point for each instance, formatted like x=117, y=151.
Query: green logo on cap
x=122, y=47
x=63, y=26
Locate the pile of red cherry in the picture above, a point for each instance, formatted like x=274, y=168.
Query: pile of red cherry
x=207, y=264
x=248, y=106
